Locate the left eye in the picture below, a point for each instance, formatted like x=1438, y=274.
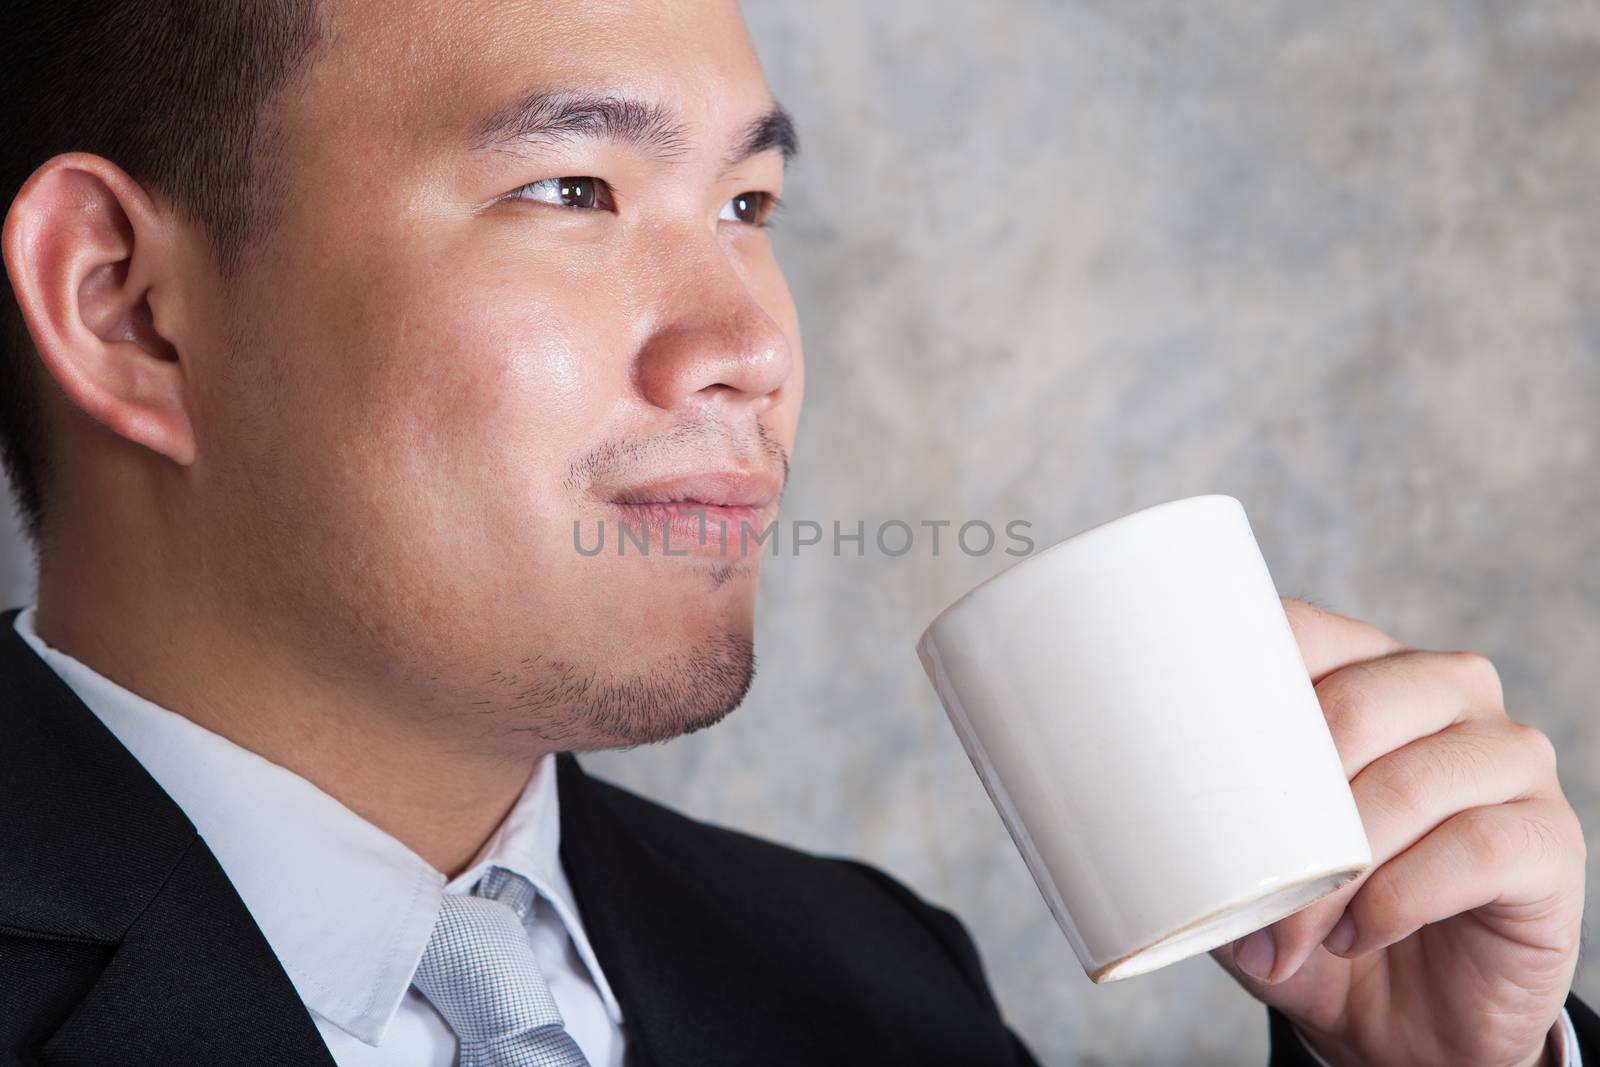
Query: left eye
x=754, y=209
x=578, y=192
x=590, y=193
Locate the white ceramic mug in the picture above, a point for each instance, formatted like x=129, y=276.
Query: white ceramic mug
x=1137, y=707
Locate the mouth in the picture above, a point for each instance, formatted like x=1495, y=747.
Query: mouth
x=719, y=513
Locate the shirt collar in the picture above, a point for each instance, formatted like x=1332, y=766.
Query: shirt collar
x=528, y=842
x=347, y=908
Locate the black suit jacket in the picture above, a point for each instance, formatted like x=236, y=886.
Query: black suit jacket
x=123, y=943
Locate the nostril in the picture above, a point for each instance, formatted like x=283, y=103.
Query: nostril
x=731, y=353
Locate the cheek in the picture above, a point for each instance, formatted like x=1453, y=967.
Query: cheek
x=430, y=411
x=452, y=379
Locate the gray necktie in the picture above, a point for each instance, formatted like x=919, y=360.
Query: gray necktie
x=479, y=971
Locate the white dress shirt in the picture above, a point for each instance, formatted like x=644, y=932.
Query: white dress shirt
x=1568, y=1054
x=347, y=908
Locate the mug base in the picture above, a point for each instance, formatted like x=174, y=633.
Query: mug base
x=1225, y=925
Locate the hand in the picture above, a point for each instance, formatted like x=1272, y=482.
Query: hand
x=1458, y=946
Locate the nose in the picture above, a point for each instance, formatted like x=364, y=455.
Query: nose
x=718, y=346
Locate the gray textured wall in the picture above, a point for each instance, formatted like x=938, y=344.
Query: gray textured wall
x=1060, y=260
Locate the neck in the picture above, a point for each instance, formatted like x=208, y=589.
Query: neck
x=401, y=773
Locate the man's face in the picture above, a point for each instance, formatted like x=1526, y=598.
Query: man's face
x=446, y=356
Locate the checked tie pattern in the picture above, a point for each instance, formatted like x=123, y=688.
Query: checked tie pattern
x=480, y=973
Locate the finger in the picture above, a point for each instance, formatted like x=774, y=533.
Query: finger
x=1329, y=641
x=1405, y=794
x=1380, y=705
x=1509, y=854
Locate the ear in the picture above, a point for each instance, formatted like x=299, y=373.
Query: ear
x=89, y=255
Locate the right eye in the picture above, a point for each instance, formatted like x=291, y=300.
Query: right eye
x=575, y=192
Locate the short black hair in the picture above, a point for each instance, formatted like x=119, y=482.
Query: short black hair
x=173, y=93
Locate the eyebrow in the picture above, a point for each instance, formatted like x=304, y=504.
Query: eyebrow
x=775, y=129
x=543, y=116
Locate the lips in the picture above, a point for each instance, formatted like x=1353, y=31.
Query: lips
x=755, y=490
x=713, y=512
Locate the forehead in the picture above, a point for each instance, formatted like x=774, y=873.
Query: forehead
x=428, y=70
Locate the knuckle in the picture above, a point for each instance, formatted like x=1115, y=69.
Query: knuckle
x=1542, y=839
x=1489, y=840
x=1540, y=747
x=1569, y=837
x=1537, y=841
x=1482, y=672
x=1345, y=703
x=1467, y=756
x=1404, y=782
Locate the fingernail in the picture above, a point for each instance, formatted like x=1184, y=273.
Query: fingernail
x=1342, y=936
x=1255, y=955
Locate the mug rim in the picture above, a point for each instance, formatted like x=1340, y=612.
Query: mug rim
x=1075, y=539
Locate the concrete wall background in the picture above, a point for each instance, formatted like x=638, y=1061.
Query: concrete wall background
x=1060, y=260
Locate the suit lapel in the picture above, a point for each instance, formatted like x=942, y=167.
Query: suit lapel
x=193, y=981
x=88, y=837
x=680, y=946
x=95, y=851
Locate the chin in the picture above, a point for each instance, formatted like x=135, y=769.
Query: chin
x=667, y=696
x=639, y=651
